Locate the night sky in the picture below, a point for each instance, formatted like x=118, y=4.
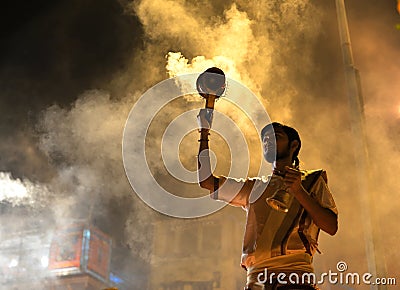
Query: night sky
x=52, y=51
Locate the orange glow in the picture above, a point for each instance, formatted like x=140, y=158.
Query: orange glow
x=398, y=6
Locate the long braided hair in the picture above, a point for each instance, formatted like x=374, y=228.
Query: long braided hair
x=292, y=135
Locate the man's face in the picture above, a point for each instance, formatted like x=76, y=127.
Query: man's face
x=276, y=146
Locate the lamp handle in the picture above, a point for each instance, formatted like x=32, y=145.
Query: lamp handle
x=210, y=101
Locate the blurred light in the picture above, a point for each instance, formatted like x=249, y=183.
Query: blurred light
x=115, y=279
x=13, y=263
x=398, y=6
x=44, y=261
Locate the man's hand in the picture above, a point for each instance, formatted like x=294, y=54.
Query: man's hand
x=323, y=217
x=204, y=118
x=292, y=181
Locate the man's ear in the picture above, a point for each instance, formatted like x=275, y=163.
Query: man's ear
x=294, y=145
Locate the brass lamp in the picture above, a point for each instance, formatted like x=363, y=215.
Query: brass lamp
x=211, y=85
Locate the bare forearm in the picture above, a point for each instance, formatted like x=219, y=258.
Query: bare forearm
x=324, y=218
x=205, y=177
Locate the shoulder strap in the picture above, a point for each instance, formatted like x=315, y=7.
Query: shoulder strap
x=308, y=183
x=310, y=178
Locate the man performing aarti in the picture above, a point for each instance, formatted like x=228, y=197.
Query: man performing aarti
x=283, y=221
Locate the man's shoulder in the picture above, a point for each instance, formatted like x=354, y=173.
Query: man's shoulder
x=310, y=173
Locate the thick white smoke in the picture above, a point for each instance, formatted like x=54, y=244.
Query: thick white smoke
x=23, y=192
x=269, y=46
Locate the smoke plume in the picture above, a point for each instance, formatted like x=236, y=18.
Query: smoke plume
x=286, y=52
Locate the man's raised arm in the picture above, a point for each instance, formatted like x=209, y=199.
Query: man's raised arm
x=206, y=178
x=234, y=191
